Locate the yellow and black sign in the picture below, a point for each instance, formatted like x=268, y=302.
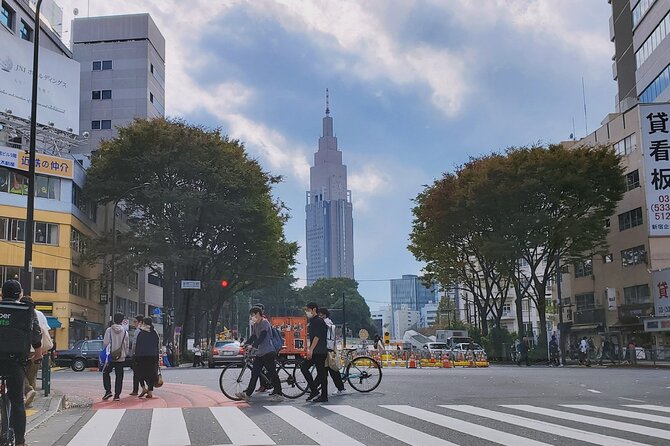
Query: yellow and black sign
x=45, y=307
x=387, y=338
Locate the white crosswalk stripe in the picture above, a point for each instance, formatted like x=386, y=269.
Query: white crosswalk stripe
x=332, y=425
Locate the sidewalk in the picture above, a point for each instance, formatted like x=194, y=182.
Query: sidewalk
x=43, y=408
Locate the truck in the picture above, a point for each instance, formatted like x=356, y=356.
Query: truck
x=452, y=337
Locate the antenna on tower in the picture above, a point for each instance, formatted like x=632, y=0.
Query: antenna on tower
x=327, y=103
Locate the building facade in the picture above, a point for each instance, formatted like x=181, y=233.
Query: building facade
x=329, y=212
x=404, y=318
x=428, y=315
x=382, y=319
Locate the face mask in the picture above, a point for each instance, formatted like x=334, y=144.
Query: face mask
x=308, y=314
x=254, y=319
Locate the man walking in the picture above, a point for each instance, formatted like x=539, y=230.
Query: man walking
x=554, y=352
x=117, y=340
x=139, y=319
x=584, y=352
x=522, y=350
x=316, y=355
x=333, y=371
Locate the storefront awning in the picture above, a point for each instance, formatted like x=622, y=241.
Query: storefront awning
x=54, y=322
x=584, y=327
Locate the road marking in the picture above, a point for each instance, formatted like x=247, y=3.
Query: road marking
x=649, y=407
x=168, y=428
x=631, y=399
x=313, y=428
x=593, y=391
x=239, y=427
x=475, y=430
x=620, y=413
x=99, y=429
x=579, y=418
x=388, y=427
x=543, y=426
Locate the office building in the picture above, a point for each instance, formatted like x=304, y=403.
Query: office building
x=410, y=291
x=382, y=319
x=404, y=318
x=329, y=223
x=428, y=315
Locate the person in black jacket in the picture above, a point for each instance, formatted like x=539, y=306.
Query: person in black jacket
x=316, y=355
x=14, y=369
x=147, y=352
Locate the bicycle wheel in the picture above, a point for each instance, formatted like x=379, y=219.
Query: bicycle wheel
x=293, y=383
x=299, y=378
x=234, y=379
x=6, y=432
x=364, y=374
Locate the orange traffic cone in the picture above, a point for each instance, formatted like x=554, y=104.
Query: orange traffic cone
x=445, y=361
x=412, y=362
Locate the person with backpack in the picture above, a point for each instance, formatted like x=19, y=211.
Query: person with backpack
x=266, y=356
x=116, y=338
x=33, y=366
x=332, y=362
x=16, y=338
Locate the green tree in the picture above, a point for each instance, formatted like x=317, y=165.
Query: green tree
x=206, y=212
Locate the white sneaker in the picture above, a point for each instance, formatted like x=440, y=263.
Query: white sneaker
x=276, y=397
x=341, y=392
x=243, y=396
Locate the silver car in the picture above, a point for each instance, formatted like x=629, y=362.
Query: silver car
x=225, y=352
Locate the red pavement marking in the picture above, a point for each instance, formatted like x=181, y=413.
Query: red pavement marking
x=170, y=395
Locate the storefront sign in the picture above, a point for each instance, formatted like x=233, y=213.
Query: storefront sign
x=656, y=157
x=660, y=281
x=657, y=325
x=44, y=164
x=45, y=307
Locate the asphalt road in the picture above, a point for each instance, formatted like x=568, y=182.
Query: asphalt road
x=407, y=408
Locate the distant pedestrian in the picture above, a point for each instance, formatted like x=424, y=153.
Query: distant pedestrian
x=554, y=352
x=197, y=357
x=607, y=351
x=522, y=350
x=166, y=357
x=171, y=353
x=584, y=352
x=316, y=355
x=332, y=362
x=632, y=351
x=138, y=321
x=116, y=338
x=147, y=352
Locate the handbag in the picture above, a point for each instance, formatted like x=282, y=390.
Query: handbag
x=159, y=379
x=333, y=361
x=116, y=354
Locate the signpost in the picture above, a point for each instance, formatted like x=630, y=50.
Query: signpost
x=190, y=284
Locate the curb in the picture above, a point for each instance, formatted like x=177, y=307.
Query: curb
x=56, y=403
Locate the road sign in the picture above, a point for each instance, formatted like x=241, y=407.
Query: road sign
x=190, y=284
x=157, y=311
x=363, y=334
x=125, y=324
x=177, y=330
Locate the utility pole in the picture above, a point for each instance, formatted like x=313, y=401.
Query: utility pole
x=344, y=322
x=561, y=340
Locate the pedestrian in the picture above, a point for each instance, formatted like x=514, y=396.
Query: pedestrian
x=137, y=322
x=116, y=338
x=316, y=355
x=606, y=351
x=170, y=354
x=554, y=352
x=33, y=366
x=632, y=351
x=266, y=356
x=332, y=362
x=584, y=352
x=522, y=350
x=592, y=349
x=166, y=358
x=197, y=357
x=147, y=353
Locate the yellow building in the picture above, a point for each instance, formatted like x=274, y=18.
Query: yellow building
x=65, y=289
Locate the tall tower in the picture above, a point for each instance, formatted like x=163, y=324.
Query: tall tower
x=329, y=223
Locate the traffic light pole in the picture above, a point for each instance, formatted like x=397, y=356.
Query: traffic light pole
x=559, y=300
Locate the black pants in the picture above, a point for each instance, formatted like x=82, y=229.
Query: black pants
x=137, y=382
x=337, y=378
x=16, y=375
x=269, y=362
x=319, y=361
x=523, y=357
x=147, y=370
x=118, y=377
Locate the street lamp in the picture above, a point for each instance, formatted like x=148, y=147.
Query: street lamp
x=113, y=266
x=30, y=207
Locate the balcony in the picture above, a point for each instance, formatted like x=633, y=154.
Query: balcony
x=589, y=316
x=632, y=314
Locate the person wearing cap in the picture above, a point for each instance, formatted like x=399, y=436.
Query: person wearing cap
x=14, y=370
x=33, y=366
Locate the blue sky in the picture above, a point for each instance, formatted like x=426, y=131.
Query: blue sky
x=416, y=87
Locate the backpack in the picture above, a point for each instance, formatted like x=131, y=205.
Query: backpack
x=276, y=339
x=16, y=325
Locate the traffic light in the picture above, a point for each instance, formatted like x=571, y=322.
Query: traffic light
x=387, y=338
x=224, y=283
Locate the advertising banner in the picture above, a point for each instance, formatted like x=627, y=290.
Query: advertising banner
x=611, y=299
x=44, y=164
x=58, y=84
x=660, y=283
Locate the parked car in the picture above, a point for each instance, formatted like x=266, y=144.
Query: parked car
x=82, y=355
x=225, y=352
x=436, y=348
x=467, y=346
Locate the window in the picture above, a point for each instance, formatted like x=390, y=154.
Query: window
x=507, y=310
x=132, y=280
x=157, y=75
x=17, y=230
x=584, y=301
x=630, y=219
x=44, y=279
x=653, y=41
x=25, y=31
x=101, y=94
x=11, y=272
x=18, y=184
x=104, y=124
x=632, y=180
x=7, y=16
x=154, y=279
x=77, y=241
x=608, y=258
x=635, y=295
x=47, y=187
x=46, y=233
x=4, y=180
x=584, y=268
x=79, y=286
x=4, y=226
x=626, y=145
x=656, y=87
x=89, y=208
x=633, y=256
x=640, y=10
x=608, y=223
x=99, y=65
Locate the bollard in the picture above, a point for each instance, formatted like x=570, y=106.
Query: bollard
x=46, y=375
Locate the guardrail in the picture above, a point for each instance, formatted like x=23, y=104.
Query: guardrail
x=424, y=359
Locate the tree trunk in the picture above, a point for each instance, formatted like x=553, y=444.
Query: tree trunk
x=518, y=304
x=216, y=315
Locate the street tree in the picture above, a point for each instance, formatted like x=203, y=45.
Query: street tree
x=201, y=209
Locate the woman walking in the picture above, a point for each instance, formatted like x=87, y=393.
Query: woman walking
x=147, y=352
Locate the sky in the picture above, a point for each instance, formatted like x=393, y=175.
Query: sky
x=416, y=88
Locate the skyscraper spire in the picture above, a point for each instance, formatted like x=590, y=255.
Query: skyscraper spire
x=327, y=103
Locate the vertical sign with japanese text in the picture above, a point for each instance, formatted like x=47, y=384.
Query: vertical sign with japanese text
x=656, y=157
x=660, y=283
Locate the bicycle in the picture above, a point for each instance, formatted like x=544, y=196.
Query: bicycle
x=235, y=378
x=7, y=437
x=363, y=373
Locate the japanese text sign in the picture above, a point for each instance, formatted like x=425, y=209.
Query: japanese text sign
x=655, y=130
x=44, y=164
x=661, y=290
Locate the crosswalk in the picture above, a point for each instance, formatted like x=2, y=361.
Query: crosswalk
x=394, y=424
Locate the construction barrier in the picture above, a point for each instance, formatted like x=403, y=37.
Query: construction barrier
x=424, y=359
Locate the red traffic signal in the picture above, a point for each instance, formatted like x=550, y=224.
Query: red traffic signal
x=224, y=284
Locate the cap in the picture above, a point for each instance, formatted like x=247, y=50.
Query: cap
x=11, y=290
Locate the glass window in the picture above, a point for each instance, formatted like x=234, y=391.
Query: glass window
x=608, y=258
x=630, y=219
x=106, y=64
x=97, y=65
x=654, y=39
x=638, y=294
x=106, y=124
x=584, y=301
x=4, y=180
x=4, y=226
x=96, y=94
x=656, y=87
x=47, y=187
x=106, y=94
x=13, y=273
x=7, y=16
x=154, y=279
x=95, y=125
x=584, y=268
x=46, y=233
x=44, y=279
x=633, y=180
x=79, y=286
x=17, y=230
x=18, y=184
x=633, y=256
x=25, y=31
